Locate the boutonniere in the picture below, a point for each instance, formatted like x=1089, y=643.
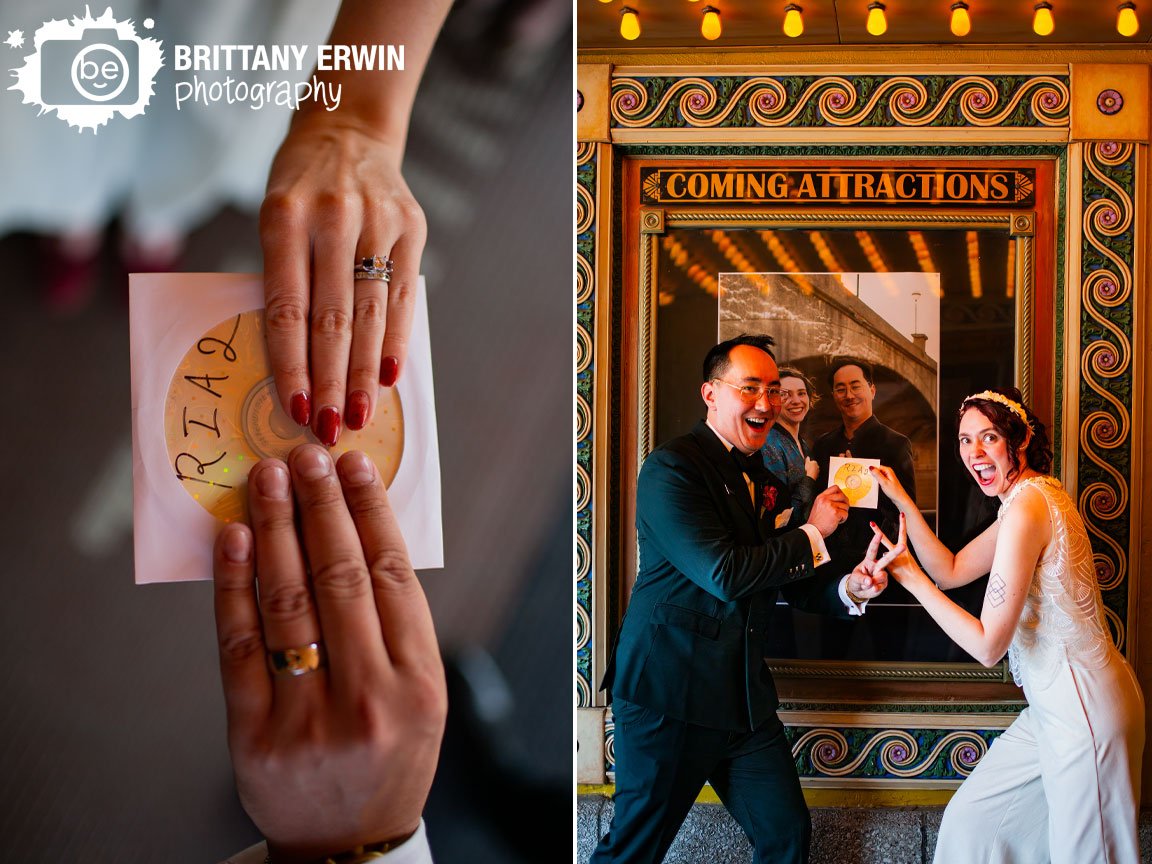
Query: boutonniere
x=768, y=497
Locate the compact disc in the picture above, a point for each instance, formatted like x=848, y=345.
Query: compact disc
x=222, y=416
x=855, y=480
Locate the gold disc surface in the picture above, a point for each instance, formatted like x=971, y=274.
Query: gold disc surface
x=222, y=416
x=855, y=480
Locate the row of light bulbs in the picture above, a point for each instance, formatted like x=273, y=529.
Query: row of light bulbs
x=1043, y=21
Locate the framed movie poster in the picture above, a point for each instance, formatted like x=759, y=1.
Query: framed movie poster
x=925, y=274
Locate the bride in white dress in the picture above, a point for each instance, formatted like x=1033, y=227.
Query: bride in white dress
x=1062, y=784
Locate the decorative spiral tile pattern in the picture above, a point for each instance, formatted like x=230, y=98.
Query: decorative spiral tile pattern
x=1106, y=323
x=1106, y=331
x=583, y=350
x=610, y=744
x=585, y=193
x=583, y=488
x=670, y=102
x=583, y=629
x=896, y=754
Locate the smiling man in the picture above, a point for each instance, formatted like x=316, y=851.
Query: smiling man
x=692, y=697
x=861, y=435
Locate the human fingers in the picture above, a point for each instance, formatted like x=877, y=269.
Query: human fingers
x=404, y=618
x=369, y=312
x=811, y=468
x=286, y=607
x=884, y=476
x=872, y=551
x=239, y=636
x=895, y=550
x=838, y=501
x=287, y=257
x=340, y=582
x=334, y=248
x=402, y=293
x=834, y=495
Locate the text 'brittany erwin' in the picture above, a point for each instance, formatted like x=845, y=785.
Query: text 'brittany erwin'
x=287, y=58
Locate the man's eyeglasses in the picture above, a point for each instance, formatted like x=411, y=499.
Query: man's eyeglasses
x=751, y=393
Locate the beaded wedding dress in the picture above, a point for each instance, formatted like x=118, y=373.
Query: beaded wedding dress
x=1062, y=784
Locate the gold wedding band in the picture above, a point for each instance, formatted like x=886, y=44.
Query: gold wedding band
x=296, y=661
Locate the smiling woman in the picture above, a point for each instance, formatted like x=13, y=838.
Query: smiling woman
x=1085, y=720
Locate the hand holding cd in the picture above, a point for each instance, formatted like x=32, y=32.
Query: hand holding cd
x=854, y=477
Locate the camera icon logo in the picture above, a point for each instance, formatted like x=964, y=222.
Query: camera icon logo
x=90, y=69
x=100, y=67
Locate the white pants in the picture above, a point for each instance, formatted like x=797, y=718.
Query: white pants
x=1062, y=784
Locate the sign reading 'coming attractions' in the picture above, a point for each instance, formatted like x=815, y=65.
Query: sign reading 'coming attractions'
x=992, y=187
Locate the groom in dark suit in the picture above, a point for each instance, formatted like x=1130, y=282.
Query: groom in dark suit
x=692, y=697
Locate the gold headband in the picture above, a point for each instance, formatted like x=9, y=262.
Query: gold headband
x=1003, y=400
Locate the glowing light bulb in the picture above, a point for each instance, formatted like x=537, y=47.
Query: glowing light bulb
x=793, y=20
x=961, y=23
x=629, y=23
x=1126, y=21
x=710, y=26
x=876, y=24
x=605, y=1
x=1042, y=22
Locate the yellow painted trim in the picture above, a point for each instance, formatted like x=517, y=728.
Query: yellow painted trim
x=825, y=797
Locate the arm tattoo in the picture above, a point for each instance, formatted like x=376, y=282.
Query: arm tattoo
x=996, y=589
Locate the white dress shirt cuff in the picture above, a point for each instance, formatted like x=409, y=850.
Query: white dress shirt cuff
x=414, y=850
x=819, y=550
x=854, y=608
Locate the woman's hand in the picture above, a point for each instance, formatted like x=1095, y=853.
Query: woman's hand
x=899, y=561
x=811, y=468
x=890, y=485
x=333, y=757
x=336, y=196
x=870, y=577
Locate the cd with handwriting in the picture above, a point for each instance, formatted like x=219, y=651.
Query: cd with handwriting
x=204, y=412
x=222, y=416
x=854, y=478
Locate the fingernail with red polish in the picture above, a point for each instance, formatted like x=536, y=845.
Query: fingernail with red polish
x=389, y=369
x=356, y=414
x=301, y=404
x=328, y=425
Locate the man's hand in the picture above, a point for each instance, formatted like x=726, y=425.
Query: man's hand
x=343, y=755
x=898, y=560
x=870, y=577
x=829, y=509
x=864, y=584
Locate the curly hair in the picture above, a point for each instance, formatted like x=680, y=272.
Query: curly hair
x=1038, y=454
x=793, y=372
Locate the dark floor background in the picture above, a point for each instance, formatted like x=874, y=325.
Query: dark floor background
x=112, y=741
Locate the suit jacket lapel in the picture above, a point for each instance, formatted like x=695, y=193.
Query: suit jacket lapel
x=733, y=477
